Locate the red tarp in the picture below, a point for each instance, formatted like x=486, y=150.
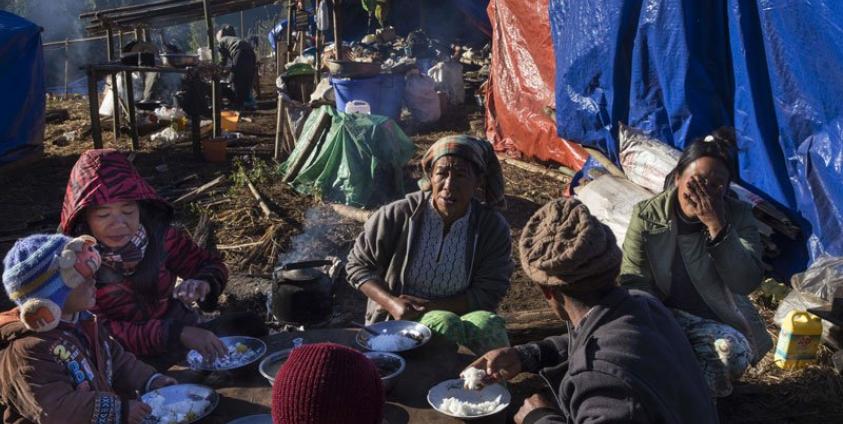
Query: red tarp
x=521, y=84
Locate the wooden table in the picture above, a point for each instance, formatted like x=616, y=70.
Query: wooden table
x=246, y=392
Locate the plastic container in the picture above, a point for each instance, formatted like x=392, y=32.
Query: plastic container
x=213, y=149
x=357, y=106
x=384, y=93
x=229, y=121
x=799, y=340
x=204, y=54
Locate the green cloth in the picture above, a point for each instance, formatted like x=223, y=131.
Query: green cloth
x=480, y=331
x=359, y=162
x=723, y=273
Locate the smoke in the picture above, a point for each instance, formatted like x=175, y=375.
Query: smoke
x=323, y=236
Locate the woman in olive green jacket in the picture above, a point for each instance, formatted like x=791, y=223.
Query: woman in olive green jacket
x=700, y=252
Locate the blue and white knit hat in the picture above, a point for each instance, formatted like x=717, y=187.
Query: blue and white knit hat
x=39, y=274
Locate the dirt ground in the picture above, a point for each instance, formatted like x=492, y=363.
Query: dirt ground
x=303, y=228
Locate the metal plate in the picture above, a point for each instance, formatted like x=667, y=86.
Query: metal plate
x=272, y=363
x=454, y=388
x=183, y=392
x=256, y=347
x=417, y=331
x=254, y=419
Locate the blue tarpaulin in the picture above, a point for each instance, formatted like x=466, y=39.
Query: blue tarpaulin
x=678, y=70
x=23, y=102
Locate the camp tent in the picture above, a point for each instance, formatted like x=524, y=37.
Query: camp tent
x=677, y=70
x=521, y=85
x=22, y=84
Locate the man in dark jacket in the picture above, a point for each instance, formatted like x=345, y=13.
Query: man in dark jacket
x=243, y=64
x=624, y=358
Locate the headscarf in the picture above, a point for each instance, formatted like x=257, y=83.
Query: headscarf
x=478, y=152
x=564, y=246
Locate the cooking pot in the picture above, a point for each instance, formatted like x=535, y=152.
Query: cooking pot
x=302, y=294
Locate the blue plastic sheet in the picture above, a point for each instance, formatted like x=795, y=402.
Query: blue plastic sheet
x=677, y=70
x=22, y=84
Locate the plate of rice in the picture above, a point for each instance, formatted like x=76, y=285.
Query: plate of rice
x=451, y=398
x=180, y=404
x=394, y=336
x=242, y=351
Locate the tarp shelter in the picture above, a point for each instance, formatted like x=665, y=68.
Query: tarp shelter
x=22, y=84
x=677, y=70
x=521, y=84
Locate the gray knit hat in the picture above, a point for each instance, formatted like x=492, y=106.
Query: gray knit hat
x=564, y=246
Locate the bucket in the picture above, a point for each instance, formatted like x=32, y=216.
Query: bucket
x=384, y=93
x=213, y=149
x=229, y=121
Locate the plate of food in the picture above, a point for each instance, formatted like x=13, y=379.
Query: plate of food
x=451, y=398
x=394, y=336
x=180, y=404
x=242, y=351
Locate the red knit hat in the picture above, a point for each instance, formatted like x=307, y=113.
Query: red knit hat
x=326, y=383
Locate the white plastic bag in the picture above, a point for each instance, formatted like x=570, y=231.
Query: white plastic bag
x=107, y=106
x=421, y=98
x=611, y=199
x=645, y=160
x=449, y=78
x=168, y=135
x=324, y=92
x=165, y=113
x=323, y=17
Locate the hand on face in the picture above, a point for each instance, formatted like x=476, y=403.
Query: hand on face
x=702, y=187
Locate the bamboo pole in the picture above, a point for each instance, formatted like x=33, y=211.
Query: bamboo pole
x=215, y=87
x=603, y=160
x=279, y=127
x=115, y=91
x=66, y=60
x=337, y=30
x=133, y=125
x=93, y=104
x=538, y=170
x=264, y=207
x=289, y=39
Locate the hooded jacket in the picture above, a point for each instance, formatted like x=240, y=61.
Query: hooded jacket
x=382, y=249
x=144, y=325
x=75, y=373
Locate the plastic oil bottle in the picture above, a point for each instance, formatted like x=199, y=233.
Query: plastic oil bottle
x=799, y=340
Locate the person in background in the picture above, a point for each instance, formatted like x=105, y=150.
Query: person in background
x=326, y=383
x=440, y=256
x=699, y=251
x=58, y=364
x=243, y=64
x=624, y=359
x=142, y=255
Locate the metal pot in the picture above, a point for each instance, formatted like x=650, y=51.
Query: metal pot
x=301, y=293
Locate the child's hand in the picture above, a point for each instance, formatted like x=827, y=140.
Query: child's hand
x=162, y=381
x=138, y=411
x=203, y=341
x=190, y=291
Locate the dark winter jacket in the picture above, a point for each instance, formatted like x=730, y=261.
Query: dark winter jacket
x=381, y=251
x=628, y=361
x=146, y=324
x=75, y=373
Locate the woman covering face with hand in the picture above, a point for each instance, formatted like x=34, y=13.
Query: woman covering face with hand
x=698, y=249
x=440, y=256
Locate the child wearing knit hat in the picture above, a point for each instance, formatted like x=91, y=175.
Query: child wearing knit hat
x=326, y=383
x=57, y=364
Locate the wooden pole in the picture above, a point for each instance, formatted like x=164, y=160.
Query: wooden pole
x=215, y=87
x=109, y=45
x=66, y=60
x=242, y=25
x=94, y=105
x=264, y=207
x=279, y=127
x=309, y=144
x=130, y=93
x=337, y=30
x=289, y=39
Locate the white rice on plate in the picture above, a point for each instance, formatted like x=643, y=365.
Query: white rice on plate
x=469, y=409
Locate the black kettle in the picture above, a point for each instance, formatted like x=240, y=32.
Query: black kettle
x=301, y=293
